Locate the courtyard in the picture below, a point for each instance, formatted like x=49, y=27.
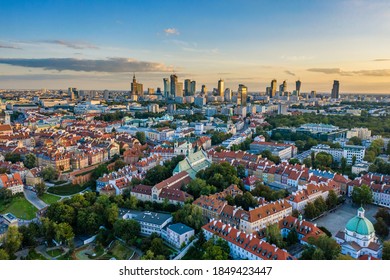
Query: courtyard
x=338, y=219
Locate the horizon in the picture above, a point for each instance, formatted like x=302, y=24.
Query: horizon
x=98, y=45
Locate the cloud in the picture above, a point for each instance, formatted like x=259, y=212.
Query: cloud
x=373, y=73
x=296, y=57
x=5, y=46
x=71, y=44
x=382, y=59
x=289, y=73
x=171, y=31
x=110, y=65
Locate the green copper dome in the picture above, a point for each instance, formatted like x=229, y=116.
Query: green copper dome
x=360, y=224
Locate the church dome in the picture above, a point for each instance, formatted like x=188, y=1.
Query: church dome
x=360, y=224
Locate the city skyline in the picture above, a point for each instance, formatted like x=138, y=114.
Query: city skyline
x=97, y=45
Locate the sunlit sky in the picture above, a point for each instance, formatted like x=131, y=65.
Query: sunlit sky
x=99, y=44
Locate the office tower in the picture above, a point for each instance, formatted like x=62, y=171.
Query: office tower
x=273, y=88
x=187, y=87
x=335, y=90
x=221, y=87
x=173, y=85
x=298, y=87
x=313, y=94
x=242, y=93
x=71, y=93
x=228, y=95
x=193, y=87
x=283, y=88
x=179, y=89
x=166, y=87
x=106, y=94
x=150, y=91
x=204, y=89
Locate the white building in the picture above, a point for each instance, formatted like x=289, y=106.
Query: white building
x=359, y=238
x=150, y=222
x=178, y=234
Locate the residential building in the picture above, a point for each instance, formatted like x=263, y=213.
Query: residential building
x=178, y=234
x=12, y=182
x=150, y=222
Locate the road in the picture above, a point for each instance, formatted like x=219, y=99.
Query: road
x=34, y=200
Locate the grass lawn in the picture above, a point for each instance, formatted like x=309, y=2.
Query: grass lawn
x=119, y=251
x=20, y=208
x=49, y=198
x=55, y=252
x=33, y=255
x=66, y=189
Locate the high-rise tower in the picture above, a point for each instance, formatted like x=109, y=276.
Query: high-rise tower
x=335, y=90
x=221, y=87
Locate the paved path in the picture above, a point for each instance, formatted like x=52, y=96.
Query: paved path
x=34, y=200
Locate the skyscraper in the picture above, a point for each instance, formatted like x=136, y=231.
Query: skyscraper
x=187, y=87
x=298, y=87
x=173, y=85
x=273, y=88
x=242, y=93
x=283, y=88
x=137, y=88
x=166, y=87
x=179, y=89
x=228, y=95
x=335, y=90
x=204, y=89
x=221, y=87
x=193, y=87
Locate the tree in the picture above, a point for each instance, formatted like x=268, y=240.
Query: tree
x=384, y=214
x=64, y=233
x=119, y=164
x=191, y=215
x=49, y=173
x=140, y=135
x=216, y=249
x=198, y=187
x=323, y=160
x=60, y=212
x=158, y=248
x=274, y=236
x=292, y=237
x=307, y=162
x=353, y=160
x=311, y=210
x=381, y=228
x=294, y=161
x=343, y=165
x=321, y=247
x=241, y=171
x=246, y=201
x=331, y=200
x=320, y=204
x=12, y=157
x=150, y=256
x=355, y=141
x=128, y=230
x=30, y=234
x=386, y=250
x=362, y=195
x=325, y=230
x=4, y=255
x=30, y=161
x=13, y=240
x=40, y=189
x=99, y=171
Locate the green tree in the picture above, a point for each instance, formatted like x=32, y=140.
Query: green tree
x=384, y=214
x=381, y=228
x=13, y=240
x=119, y=164
x=331, y=200
x=49, y=173
x=292, y=237
x=343, y=165
x=294, y=161
x=355, y=141
x=362, y=195
x=64, y=233
x=311, y=211
x=12, y=157
x=386, y=250
x=30, y=161
x=99, y=171
x=150, y=256
x=246, y=201
x=40, y=189
x=158, y=248
x=140, y=135
x=128, y=230
x=323, y=160
x=215, y=249
x=241, y=171
x=320, y=204
x=30, y=234
x=321, y=247
x=4, y=255
x=307, y=162
x=274, y=236
x=191, y=215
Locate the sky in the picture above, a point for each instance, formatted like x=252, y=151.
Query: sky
x=100, y=44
